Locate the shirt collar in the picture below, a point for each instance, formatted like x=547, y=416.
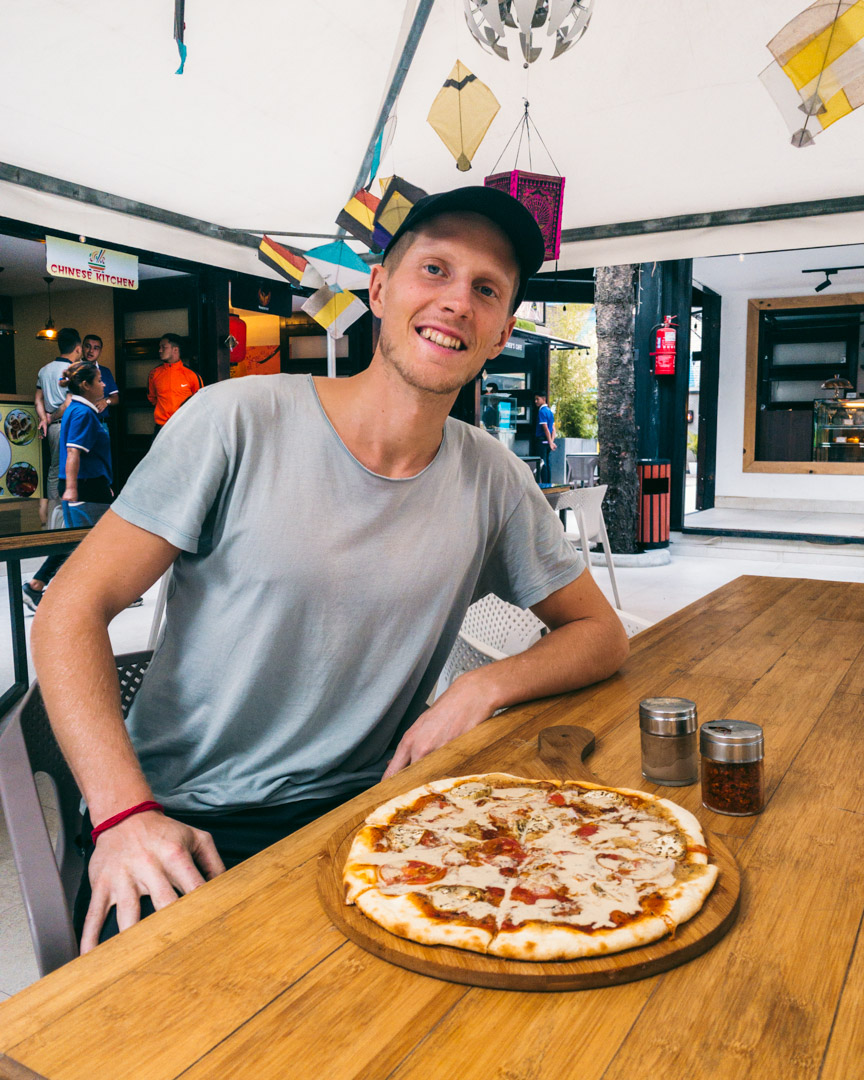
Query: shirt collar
x=84, y=401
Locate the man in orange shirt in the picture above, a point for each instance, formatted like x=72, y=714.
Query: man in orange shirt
x=172, y=383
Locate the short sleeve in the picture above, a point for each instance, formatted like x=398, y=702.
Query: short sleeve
x=109, y=381
x=79, y=431
x=173, y=490
x=532, y=557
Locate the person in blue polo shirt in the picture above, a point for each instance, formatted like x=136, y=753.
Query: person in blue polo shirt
x=544, y=435
x=85, y=449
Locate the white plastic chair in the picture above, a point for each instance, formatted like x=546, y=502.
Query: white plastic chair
x=633, y=624
x=587, y=505
x=491, y=630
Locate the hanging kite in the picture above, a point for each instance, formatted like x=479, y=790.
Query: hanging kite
x=335, y=311
x=179, y=31
x=395, y=203
x=818, y=73
x=336, y=265
x=461, y=114
x=284, y=260
x=358, y=217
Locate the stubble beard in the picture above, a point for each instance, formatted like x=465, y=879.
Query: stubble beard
x=443, y=389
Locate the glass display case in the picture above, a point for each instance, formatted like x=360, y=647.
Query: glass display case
x=498, y=412
x=838, y=430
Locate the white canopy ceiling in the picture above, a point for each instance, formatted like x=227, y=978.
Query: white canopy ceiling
x=657, y=112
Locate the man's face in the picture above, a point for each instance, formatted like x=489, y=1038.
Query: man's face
x=445, y=309
x=92, y=350
x=168, y=352
x=538, y=401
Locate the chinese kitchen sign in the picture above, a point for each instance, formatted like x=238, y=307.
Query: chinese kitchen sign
x=90, y=263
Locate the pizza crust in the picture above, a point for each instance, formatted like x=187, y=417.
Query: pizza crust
x=403, y=916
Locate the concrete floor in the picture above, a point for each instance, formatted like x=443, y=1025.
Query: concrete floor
x=698, y=566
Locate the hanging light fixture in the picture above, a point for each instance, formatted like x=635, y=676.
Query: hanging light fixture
x=561, y=22
x=48, y=331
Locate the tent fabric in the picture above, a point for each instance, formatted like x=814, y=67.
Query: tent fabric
x=658, y=111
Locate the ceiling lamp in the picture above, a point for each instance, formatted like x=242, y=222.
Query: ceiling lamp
x=837, y=384
x=48, y=332
x=829, y=272
x=560, y=22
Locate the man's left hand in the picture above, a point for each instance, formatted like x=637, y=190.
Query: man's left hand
x=459, y=709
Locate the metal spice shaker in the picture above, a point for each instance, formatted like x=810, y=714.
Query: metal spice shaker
x=668, y=730
x=733, y=777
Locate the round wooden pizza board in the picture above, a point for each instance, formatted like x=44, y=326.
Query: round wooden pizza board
x=560, y=756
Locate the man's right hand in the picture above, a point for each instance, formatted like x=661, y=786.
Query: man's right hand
x=43, y=427
x=151, y=855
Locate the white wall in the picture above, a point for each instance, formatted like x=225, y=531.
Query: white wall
x=731, y=478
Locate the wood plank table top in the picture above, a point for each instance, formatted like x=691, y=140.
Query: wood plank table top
x=247, y=977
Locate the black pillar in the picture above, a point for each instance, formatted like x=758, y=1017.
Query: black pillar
x=661, y=400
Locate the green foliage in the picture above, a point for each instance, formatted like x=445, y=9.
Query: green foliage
x=693, y=442
x=573, y=373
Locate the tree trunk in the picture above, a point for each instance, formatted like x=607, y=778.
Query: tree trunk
x=616, y=404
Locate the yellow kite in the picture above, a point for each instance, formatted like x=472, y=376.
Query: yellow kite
x=818, y=73
x=461, y=114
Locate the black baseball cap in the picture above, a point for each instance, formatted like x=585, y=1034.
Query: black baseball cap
x=512, y=218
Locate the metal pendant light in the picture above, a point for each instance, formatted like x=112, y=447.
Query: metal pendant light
x=547, y=27
x=48, y=331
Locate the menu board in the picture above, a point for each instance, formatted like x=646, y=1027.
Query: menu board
x=20, y=451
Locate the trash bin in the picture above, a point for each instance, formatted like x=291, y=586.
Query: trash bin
x=654, y=481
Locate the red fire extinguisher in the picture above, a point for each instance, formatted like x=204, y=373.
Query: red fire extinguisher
x=664, y=347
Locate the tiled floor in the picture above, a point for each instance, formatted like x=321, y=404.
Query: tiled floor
x=699, y=565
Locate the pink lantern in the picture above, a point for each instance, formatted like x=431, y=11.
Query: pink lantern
x=542, y=195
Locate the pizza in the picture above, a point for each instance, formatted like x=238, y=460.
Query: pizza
x=529, y=869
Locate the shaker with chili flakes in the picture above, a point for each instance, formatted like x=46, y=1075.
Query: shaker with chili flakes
x=733, y=780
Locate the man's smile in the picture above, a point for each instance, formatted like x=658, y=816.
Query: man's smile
x=438, y=337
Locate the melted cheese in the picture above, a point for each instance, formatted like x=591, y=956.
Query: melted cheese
x=627, y=854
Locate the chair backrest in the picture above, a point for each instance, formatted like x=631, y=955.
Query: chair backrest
x=48, y=876
x=491, y=630
x=508, y=629
x=590, y=502
x=582, y=468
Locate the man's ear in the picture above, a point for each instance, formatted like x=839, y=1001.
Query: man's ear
x=377, y=285
x=505, y=337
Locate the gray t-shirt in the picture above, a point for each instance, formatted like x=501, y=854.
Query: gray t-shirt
x=48, y=381
x=314, y=602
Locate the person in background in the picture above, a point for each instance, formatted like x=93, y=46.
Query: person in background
x=91, y=351
x=50, y=400
x=85, y=449
x=85, y=475
x=171, y=383
x=544, y=435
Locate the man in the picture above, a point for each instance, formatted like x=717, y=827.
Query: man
x=51, y=400
x=171, y=383
x=544, y=435
x=343, y=631
x=92, y=350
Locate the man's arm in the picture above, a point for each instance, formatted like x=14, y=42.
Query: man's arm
x=151, y=389
x=587, y=644
x=549, y=437
x=39, y=401
x=147, y=854
x=58, y=413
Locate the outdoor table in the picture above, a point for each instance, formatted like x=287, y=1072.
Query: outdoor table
x=247, y=977
x=553, y=497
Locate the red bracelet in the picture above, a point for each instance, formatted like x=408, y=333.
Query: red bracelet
x=110, y=822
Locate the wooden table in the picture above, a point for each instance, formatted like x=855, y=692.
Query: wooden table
x=247, y=977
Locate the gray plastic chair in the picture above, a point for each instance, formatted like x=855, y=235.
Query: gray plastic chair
x=48, y=876
x=582, y=469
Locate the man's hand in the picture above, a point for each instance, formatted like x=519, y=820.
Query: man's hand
x=70, y=494
x=553, y=445
x=151, y=855
x=459, y=709
x=43, y=427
